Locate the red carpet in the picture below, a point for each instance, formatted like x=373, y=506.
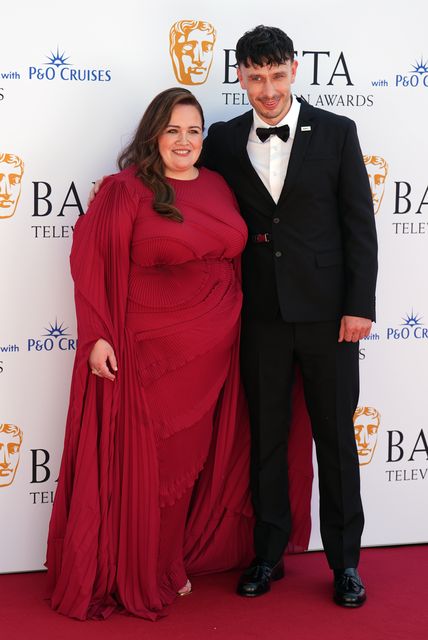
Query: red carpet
x=298, y=607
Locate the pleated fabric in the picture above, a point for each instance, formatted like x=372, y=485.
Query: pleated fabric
x=153, y=485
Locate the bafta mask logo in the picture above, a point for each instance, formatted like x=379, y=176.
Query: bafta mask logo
x=366, y=427
x=191, y=45
x=10, y=445
x=377, y=170
x=11, y=171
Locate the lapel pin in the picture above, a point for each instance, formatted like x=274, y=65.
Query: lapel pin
x=305, y=128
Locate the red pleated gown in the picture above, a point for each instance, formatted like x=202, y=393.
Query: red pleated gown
x=153, y=485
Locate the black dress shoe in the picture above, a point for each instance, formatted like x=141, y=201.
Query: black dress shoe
x=255, y=581
x=348, y=589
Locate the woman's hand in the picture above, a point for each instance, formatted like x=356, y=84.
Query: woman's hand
x=102, y=359
x=93, y=192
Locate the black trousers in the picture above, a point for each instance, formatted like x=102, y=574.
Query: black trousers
x=270, y=350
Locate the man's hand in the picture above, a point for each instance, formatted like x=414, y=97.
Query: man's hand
x=93, y=192
x=102, y=360
x=353, y=328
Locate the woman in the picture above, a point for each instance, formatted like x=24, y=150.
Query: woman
x=154, y=477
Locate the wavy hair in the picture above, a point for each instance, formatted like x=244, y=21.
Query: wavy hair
x=143, y=150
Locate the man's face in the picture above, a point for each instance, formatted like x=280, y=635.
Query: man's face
x=10, y=188
x=366, y=428
x=377, y=177
x=269, y=88
x=9, y=457
x=192, y=56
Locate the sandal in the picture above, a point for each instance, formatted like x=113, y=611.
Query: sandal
x=186, y=590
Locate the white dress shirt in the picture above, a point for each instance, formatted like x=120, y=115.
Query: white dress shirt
x=270, y=159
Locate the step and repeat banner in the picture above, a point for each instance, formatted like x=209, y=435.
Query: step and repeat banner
x=73, y=87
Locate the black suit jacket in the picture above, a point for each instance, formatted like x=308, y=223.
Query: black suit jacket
x=321, y=261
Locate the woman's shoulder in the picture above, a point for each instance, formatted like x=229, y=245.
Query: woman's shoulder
x=213, y=178
x=127, y=179
x=215, y=181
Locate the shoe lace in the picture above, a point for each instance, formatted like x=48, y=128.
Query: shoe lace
x=349, y=583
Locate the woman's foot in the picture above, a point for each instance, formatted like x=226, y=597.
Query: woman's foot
x=186, y=589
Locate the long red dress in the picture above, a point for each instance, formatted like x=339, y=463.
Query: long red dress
x=153, y=485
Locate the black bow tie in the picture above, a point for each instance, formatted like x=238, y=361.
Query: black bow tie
x=282, y=132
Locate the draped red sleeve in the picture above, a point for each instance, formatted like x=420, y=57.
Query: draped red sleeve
x=95, y=539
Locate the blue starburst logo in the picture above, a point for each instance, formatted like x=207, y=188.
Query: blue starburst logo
x=421, y=66
x=412, y=320
x=58, y=59
x=56, y=330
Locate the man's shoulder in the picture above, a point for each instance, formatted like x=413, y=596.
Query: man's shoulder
x=225, y=126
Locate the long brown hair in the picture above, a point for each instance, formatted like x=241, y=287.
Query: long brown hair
x=143, y=150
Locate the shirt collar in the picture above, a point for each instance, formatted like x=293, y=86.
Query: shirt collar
x=290, y=118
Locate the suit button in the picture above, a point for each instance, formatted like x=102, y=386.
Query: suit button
x=276, y=220
x=278, y=254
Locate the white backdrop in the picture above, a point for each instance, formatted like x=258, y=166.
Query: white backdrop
x=72, y=89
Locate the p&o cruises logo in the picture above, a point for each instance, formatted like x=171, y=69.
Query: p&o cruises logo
x=415, y=77
x=59, y=67
x=56, y=338
x=412, y=327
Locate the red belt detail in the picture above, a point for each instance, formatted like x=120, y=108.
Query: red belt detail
x=261, y=238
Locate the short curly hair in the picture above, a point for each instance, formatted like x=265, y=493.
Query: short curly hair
x=264, y=46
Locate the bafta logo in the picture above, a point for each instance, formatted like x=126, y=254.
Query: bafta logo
x=10, y=445
x=377, y=170
x=366, y=427
x=191, y=45
x=11, y=171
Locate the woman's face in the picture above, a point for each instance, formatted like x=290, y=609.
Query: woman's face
x=181, y=143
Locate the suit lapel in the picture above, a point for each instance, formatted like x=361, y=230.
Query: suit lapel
x=304, y=130
x=243, y=127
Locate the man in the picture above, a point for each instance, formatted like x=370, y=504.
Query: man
x=191, y=49
x=309, y=274
x=377, y=170
x=11, y=170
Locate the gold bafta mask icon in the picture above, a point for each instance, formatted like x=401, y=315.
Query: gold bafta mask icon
x=10, y=445
x=366, y=427
x=191, y=45
x=377, y=170
x=11, y=171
